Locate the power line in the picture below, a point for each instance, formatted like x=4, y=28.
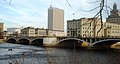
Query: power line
x=69, y=4
x=89, y=10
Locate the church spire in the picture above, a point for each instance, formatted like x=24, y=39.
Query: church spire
x=114, y=6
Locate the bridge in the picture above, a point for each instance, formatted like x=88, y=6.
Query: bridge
x=105, y=43
x=47, y=41
x=62, y=41
x=40, y=41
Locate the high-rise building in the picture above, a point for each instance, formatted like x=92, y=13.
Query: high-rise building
x=114, y=16
x=55, y=19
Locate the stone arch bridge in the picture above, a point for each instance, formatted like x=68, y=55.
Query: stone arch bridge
x=40, y=41
x=51, y=41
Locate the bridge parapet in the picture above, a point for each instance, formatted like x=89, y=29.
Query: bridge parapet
x=34, y=40
x=52, y=40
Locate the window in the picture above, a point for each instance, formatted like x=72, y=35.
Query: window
x=83, y=34
x=83, y=27
x=68, y=34
x=68, y=31
x=112, y=31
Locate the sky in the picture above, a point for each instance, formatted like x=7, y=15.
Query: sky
x=34, y=13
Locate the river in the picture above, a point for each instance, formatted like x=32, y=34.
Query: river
x=27, y=54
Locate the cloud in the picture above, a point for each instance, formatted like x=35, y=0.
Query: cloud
x=34, y=12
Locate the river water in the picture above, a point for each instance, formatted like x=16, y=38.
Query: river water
x=27, y=54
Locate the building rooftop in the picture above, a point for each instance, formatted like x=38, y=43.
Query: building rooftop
x=29, y=28
x=81, y=19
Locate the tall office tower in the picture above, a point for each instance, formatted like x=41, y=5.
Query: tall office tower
x=55, y=19
x=114, y=16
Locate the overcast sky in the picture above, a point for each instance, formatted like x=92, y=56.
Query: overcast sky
x=24, y=13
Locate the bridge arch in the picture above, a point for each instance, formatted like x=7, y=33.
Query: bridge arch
x=11, y=40
x=25, y=41
x=37, y=41
x=71, y=42
x=105, y=43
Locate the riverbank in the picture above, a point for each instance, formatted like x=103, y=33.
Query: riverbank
x=2, y=40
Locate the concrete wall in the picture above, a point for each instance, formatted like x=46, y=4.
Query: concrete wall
x=50, y=41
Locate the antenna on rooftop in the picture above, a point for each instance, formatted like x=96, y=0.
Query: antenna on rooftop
x=52, y=2
x=50, y=6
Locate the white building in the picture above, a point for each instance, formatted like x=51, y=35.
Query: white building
x=88, y=27
x=40, y=32
x=28, y=32
x=37, y=32
x=111, y=30
x=13, y=31
x=84, y=27
x=56, y=33
x=55, y=19
x=112, y=24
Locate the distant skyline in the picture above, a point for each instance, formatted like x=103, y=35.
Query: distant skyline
x=24, y=13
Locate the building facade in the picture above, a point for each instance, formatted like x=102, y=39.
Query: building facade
x=89, y=27
x=1, y=30
x=28, y=32
x=112, y=24
x=55, y=19
x=1, y=26
x=84, y=27
x=38, y=32
x=56, y=33
x=111, y=30
x=13, y=31
x=114, y=16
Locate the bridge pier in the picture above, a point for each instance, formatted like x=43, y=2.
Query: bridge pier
x=95, y=40
x=91, y=40
x=86, y=40
x=47, y=41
